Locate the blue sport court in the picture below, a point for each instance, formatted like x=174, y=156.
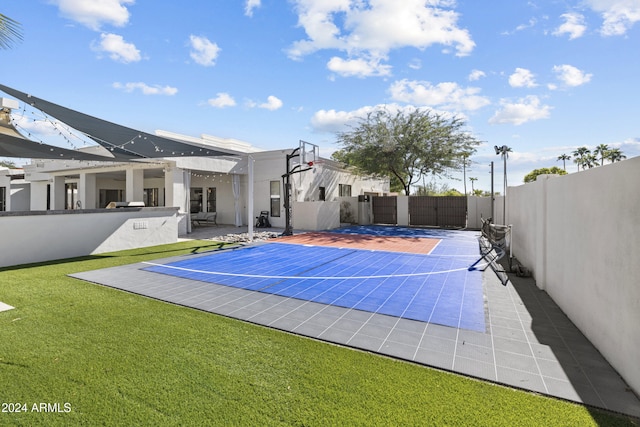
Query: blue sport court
x=435, y=288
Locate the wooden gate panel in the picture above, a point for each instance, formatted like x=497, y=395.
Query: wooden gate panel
x=437, y=211
x=385, y=209
x=423, y=210
x=452, y=211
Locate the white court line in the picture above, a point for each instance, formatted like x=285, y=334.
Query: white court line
x=434, y=246
x=261, y=276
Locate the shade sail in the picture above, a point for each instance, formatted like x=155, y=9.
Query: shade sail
x=11, y=146
x=122, y=142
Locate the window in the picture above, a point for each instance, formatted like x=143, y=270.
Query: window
x=71, y=195
x=3, y=199
x=275, y=198
x=322, y=194
x=150, y=197
x=344, y=190
x=211, y=199
x=196, y=200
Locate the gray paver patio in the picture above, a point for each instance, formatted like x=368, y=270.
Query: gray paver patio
x=529, y=343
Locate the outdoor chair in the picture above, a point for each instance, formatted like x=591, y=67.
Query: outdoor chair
x=204, y=218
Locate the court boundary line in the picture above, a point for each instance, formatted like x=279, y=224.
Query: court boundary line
x=264, y=276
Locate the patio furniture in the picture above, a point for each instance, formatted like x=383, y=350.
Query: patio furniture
x=204, y=218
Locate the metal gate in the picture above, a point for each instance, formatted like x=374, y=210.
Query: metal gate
x=385, y=209
x=446, y=211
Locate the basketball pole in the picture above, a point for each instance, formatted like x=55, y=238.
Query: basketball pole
x=288, y=209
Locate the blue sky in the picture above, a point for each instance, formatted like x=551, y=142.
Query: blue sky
x=542, y=77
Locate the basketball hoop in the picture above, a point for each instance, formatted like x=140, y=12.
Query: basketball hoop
x=307, y=155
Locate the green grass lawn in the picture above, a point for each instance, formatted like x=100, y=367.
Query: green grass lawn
x=120, y=359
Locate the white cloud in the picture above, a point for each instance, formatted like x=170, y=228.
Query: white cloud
x=522, y=78
x=117, y=49
x=146, y=89
x=618, y=15
x=272, y=104
x=532, y=23
x=525, y=110
x=476, y=75
x=446, y=95
x=40, y=127
x=336, y=121
x=372, y=29
x=203, y=51
x=250, y=6
x=571, y=76
x=222, y=100
x=573, y=25
x=358, y=67
x=415, y=64
x=94, y=14
x=332, y=121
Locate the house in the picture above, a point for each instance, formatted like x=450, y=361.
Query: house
x=201, y=184
x=167, y=177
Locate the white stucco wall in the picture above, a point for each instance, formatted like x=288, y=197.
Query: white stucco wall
x=20, y=196
x=480, y=207
x=5, y=181
x=580, y=234
x=402, y=210
x=315, y=216
x=50, y=235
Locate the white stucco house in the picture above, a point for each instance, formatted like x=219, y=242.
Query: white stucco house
x=221, y=184
x=164, y=179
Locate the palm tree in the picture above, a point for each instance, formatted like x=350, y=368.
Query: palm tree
x=564, y=158
x=472, y=179
x=615, y=155
x=580, y=156
x=601, y=150
x=590, y=161
x=10, y=31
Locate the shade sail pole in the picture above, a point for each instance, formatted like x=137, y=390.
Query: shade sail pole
x=250, y=198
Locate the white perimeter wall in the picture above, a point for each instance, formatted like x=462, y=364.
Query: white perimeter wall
x=29, y=237
x=580, y=236
x=316, y=215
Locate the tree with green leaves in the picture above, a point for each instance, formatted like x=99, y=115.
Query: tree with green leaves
x=10, y=164
x=10, y=32
x=406, y=145
x=472, y=179
x=601, y=150
x=582, y=157
x=533, y=175
x=615, y=155
x=564, y=158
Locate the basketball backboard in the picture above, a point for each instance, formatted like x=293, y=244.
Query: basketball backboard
x=309, y=153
